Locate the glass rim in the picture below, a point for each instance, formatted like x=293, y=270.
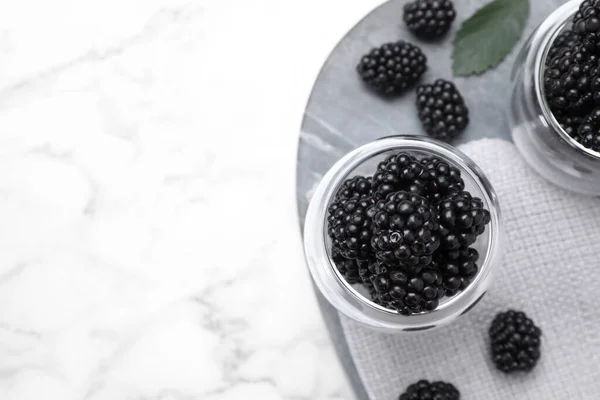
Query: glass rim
x=555, y=24
x=365, y=310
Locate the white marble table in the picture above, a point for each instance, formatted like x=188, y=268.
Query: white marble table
x=149, y=240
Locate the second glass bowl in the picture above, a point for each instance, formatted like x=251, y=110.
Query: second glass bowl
x=357, y=304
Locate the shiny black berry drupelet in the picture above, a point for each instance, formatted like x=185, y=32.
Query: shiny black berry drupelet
x=588, y=133
x=515, y=342
x=442, y=110
x=424, y=390
x=437, y=180
x=393, y=67
x=397, y=172
x=429, y=19
x=395, y=289
x=350, y=228
x=405, y=231
x=570, y=81
x=458, y=268
x=356, y=187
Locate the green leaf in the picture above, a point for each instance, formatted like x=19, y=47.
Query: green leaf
x=488, y=36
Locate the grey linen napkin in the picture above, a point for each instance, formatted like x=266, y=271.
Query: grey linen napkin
x=550, y=269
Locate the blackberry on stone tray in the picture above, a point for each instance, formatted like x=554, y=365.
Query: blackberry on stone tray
x=350, y=228
x=442, y=110
x=358, y=186
x=395, y=289
x=405, y=231
x=515, y=342
x=437, y=180
x=393, y=67
x=424, y=390
x=429, y=19
x=588, y=133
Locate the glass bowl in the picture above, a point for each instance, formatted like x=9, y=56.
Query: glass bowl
x=356, y=303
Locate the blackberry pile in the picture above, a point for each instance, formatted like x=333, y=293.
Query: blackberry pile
x=425, y=390
x=515, y=342
x=572, y=76
x=405, y=233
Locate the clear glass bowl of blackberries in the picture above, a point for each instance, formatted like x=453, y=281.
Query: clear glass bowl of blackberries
x=554, y=112
x=403, y=233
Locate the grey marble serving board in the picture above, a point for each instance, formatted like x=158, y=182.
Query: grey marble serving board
x=342, y=113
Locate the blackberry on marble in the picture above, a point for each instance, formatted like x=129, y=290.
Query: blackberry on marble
x=393, y=67
x=397, y=172
x=515, y=342
x=407, y=293
x=347, y=267
x=429, y=19
x=405, y=230
x=442, y=110
x=358, y=186
x=350, y=228
x=437, y=180
x=424, y=390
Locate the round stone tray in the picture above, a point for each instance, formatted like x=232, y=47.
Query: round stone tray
x=342, y=113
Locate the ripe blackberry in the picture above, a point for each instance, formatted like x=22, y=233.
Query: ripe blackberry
x=458, y=268
x=405, y=230
x=437, y=180
x=569, y=81
x=429, y=19
x=397, y=172
x=393, y=67
x=515, y=342
x=588, y=133
x=358, y=186
x=442, y=110
x=347, y=267
x=569, y=123
x=564, y=40
x=586, y=24
x=366, y=271
x=460, y=212
x=350, y=228
x=407, y=293
x=423, y=390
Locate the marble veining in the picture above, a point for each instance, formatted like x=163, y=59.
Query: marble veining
x=150, y=247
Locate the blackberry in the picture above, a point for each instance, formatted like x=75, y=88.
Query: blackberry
x=397, y=172
x=569, y=81
x=350, y=228
x=407, y=293
x=458, y=268
x=586, y=24
x=423, y=390
x=358, y=186
x=569, y=123
x=463, y=213
x=588, y=133
x=393, y=67
x=429, y=19
x=347, y=267
x=437, y=180
x=405, y=230
x=442, y=110
x=366, y=271
x=515, y=342
x=563, y=41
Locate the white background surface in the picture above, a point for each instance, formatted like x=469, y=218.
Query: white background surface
x=149, y=241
